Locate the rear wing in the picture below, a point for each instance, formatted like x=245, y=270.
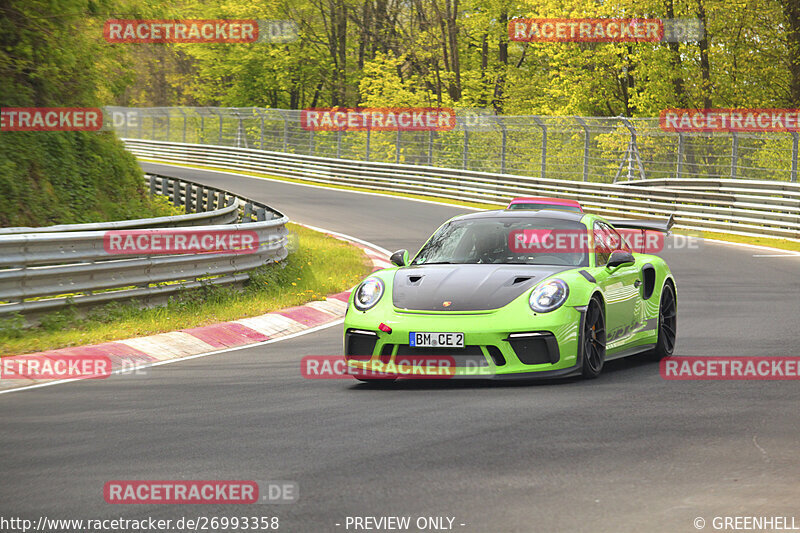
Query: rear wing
x=655, y=225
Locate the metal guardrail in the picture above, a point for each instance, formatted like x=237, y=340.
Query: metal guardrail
x=593, y=149
x=746, y=207
x=45, y=270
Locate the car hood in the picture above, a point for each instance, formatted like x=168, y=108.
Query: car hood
x=465, y=287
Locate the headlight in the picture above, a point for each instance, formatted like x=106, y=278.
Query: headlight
x=549, y=297
x=368, y=294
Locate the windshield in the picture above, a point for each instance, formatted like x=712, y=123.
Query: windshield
x=496, y=241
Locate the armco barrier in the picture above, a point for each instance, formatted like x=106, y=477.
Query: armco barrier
x=744, y=207
x=48, y=268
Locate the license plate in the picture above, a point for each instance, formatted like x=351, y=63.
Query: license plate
x=422, y=339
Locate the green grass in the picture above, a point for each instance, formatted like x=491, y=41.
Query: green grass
x=784, y=244
x=319, y=266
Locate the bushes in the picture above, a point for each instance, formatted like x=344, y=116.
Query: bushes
x=70, y=177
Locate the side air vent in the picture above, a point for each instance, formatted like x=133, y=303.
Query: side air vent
x=535, y=348
x=649, y=275
x=386, y=353
x=414, y=279
x=496, y=354
x=521, y=279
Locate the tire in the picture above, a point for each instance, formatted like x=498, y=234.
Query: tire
x=667, y=324
x=594, y=340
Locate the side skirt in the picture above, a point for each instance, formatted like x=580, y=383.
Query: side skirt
x=631, y=351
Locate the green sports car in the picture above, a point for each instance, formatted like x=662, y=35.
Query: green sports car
x=513, y=294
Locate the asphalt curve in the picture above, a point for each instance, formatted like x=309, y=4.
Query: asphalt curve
x=626, y=452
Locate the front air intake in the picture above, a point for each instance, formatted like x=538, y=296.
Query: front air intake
x=535, y=348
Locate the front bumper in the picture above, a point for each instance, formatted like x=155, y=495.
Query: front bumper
x=508, y=342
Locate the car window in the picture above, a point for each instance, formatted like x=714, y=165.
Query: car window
x=602, y=250
x=500, y=240
x=607, y=240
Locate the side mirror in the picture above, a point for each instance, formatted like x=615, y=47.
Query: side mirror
x=620, y=258
x=399, y=258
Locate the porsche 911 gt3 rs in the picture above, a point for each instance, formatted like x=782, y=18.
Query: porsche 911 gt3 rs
x=509, y=293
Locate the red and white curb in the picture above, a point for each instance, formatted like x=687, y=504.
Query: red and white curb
x=128, y=354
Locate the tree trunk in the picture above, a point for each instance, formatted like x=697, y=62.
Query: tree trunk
x=705, y=65
x=791, y=10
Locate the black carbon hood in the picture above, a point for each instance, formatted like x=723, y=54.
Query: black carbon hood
x=465, y=287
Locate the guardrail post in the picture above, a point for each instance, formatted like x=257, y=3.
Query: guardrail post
x=544, y=145
x=630, y=154
x=679, y=164
x=285, y=131
x=397, y=147
x=183, y=136
x=586, y=141
x=152, y=180
x=189, y=200
x=261, y=136
x=430, y=148
x=465, y=150
x=176, y=192
x=167, y=118
x=794, y=156
x=503, y=144
x=241, y=132
x=734, y=153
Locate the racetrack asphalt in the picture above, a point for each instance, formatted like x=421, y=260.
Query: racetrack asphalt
x=629, y=451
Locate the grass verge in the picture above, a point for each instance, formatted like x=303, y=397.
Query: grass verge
x=784, y=244
x=320, y=265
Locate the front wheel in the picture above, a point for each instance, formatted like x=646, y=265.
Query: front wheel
x=594, y=340
x=667, y=324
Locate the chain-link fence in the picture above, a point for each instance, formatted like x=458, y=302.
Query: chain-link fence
x=596, y=149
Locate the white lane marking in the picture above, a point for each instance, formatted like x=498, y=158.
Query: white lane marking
x=776, y=255
x=196, y=356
